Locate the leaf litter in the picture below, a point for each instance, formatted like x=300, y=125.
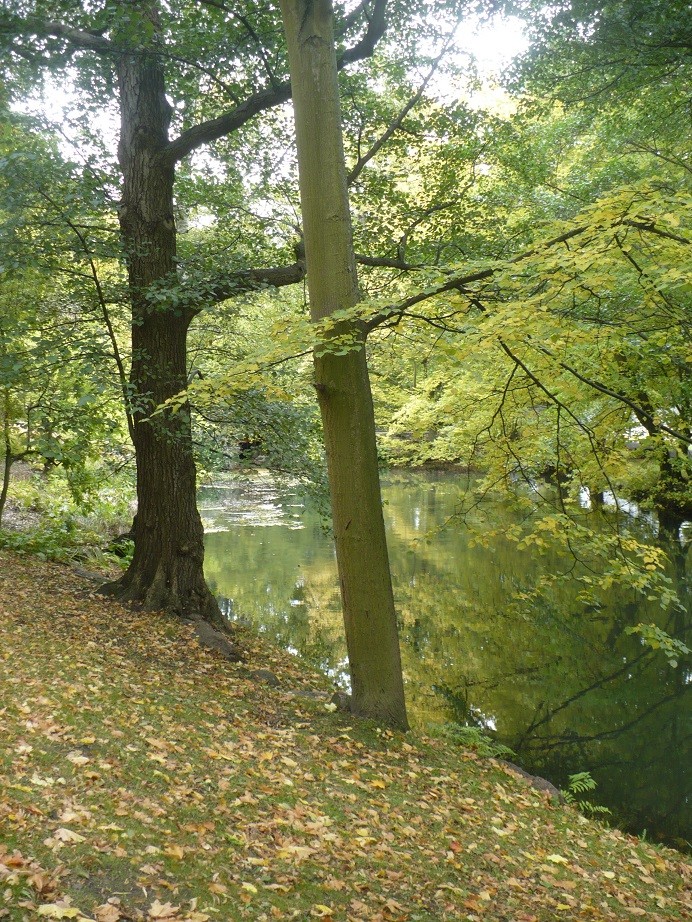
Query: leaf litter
x=143, y=778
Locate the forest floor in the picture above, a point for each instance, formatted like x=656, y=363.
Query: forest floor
x=145, y=778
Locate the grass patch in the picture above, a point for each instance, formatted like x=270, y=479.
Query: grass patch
x=144, y=778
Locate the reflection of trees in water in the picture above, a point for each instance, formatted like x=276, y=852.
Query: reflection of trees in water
x=640, y=750
x=282, y=582
x=588, y=702
x=569, y=689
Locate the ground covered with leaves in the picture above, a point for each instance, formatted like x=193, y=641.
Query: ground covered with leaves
x=145, y=778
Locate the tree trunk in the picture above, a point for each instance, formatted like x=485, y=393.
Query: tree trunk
x=8, y=459
x=167, y=568
x=342, y=381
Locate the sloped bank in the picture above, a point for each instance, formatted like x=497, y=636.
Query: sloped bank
x=144, y=777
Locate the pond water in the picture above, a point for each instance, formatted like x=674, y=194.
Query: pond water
x=555, y=678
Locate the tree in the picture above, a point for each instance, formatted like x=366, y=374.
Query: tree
x=56, y=404
x=59, y=399
x=616, y=310
x=341, y=373
x=566, y=340
x=132, y=44
x=610, y=52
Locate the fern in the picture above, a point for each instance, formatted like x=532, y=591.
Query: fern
x=473, y=738
x=580, y=783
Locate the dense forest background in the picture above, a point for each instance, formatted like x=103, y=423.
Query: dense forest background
x=522, y=252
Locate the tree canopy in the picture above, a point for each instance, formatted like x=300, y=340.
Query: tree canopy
x=523, y=287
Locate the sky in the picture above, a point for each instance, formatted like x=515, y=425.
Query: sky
x=493, y=43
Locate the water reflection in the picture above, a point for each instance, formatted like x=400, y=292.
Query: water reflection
x=558, y=678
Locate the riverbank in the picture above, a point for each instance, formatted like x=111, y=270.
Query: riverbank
x=145, y=778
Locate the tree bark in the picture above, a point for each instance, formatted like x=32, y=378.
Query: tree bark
x=8, y=459
x=342, y=381
x=167, y=567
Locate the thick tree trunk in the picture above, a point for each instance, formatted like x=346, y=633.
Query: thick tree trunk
x=342, y=381
x=167, y=568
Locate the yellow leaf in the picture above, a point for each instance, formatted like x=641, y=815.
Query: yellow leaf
x=609, y=874
x=66, y=835
x=320, y=910
x=55, y=911
x=159, y=910
x=557, y=859
x=174, y=851
x=300, y=851
x=251, y=888
x=41, y=782
x=378, y=783
x=107, y=913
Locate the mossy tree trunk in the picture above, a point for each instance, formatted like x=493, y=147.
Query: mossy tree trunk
x=342, y=381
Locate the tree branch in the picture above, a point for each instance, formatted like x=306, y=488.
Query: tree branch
x=650, y=228
x=587, y=430
x=387, y=262
x=458, y=282
x=396, y=123
x=268, y=98
x=216, y=128
x=639, y=411
x=76, y=37
x=246, y=280
x=377, y=26
x=103, y=306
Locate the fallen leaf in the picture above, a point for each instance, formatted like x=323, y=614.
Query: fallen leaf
x=107, y=913
x=300, y=851
x=56, y=911
x=159, y=910
x=67, y=835
x=174, y=851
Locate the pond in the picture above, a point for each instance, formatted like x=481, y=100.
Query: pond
x=555, y=678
